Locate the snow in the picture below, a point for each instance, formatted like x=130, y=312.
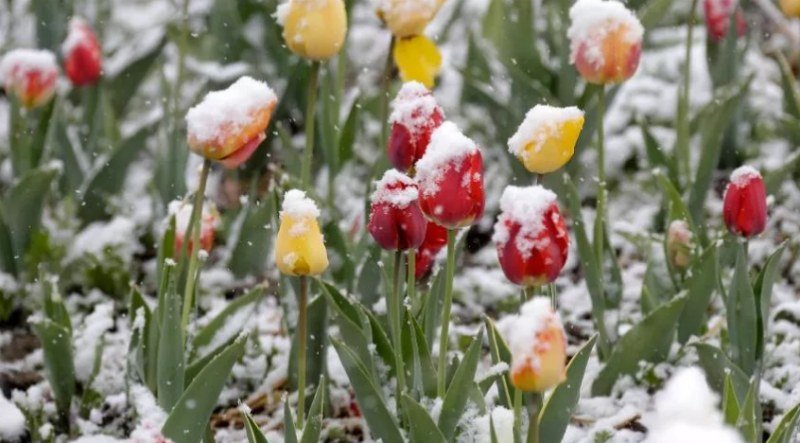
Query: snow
x=182, y=210
x=395, y=189
x=446, y=149
x=95, y=326
x=79, y=33
x=12, y=425
x=229, y=110
x=540, y=123
x=20, y=62
x=525, y=206
x=743, y=174
x=591, y=20
x=117, y=236
x=521, y=330
x=297, y=206
x=413, y=107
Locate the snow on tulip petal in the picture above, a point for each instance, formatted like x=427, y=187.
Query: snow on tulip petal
x=209, y=221
x=300, y=246
x=545, y=141
x=30, y=74
x=418, y=59
x=407, y=18
x=745, y=203
x=396, y=221
x=415, y=115
x=83, y=56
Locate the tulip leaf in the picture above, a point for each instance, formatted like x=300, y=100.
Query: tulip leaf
x=349, y=322
x=423, y=428
x=700, y=288
x=458, y=391
x=126, y=81
x=500, y=353
x=347, y=137
x=249, y=253
x=677, y=208
x=749, y=422
x=313, y=425
x=427, y=369
x=787, y=427
x=652, y=12
x=791, y=95
x=383, y=346
x=226, y=325
x=381, y=422
x=730, y=403
x=763, y=292
x=51, y=22
x=170, y=364
x=741, y=315
x=290, y=431
x=37, y=143
x=717, y=366
x=562, y=402
x=655, y=154
x=369, y=276
x=774, y=179
x=59, y=369
x=187, y=420
x=657, y=285
x=648, y=340
x=254, y=434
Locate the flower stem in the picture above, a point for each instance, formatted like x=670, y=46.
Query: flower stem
x=396, y=311
x=551, y=290
x=386, y=79
x=302, y=300
x=683, y=101
x=448, y=302
x=599, y=224
x=533, y=426
x=194, y=231
x=311, y=110
x=411, y=279
x=517, y=412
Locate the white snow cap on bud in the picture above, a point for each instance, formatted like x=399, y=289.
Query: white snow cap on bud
x=396, y=189
x=686, y=411
x=413, y=106
x=741, y=175
x=297, y=205
x=592, y=19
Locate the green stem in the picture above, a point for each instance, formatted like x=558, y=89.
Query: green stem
x=311, y=110
x=386, y=79
x=599, y=229
x=396, y=311
x=448, y=302
x=551, y=290
x=533, y=426
x=683, y=124
x=302, y=300
x=193, y=230
x=517, y=412
x=411, y=280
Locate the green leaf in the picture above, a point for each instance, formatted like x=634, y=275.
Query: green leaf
x=249, y=253
x=58, y=364
x=290, y=431
x=652, y=12
x=791, y=95
x=742, y=318
x=700, y=287
x=717, y=367
x=748, y=422
x=313, y=425
x=170, y=363
x=774, y=179
x=350, y=328
x=763, y=292
x=458, y=391
x=347, y=137
x=187, y=420
x=655, y=154
x=648, y=340
x=51, y=22
x=227, y=324
x=785, y=431
x=500, y=354
x=677, y=208
x=730, y=403
x=37, y=143
x=427, y=369
x=657, y=285
x=381, y=422
x=562, y=402
x=254, y=434
x=126, y=82
x=423, y=429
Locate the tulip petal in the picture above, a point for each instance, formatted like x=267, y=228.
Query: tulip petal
x=418, y=59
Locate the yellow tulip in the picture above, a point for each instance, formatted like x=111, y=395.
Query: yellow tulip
x=407, y=18
x=418, y=59
x=791, y=8
x=300, y=247
x=545, y=141
x=538, y=347
x=313, y=29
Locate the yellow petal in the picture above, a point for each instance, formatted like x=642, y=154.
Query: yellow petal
x=300, y=248
x=418, y=59
x=790, y=7
x=554, y=149
x=314, y=29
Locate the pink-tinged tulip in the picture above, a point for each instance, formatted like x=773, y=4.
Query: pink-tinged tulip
x=435, y=240
x=228, y=125
x=538, y=347
x=679, y=244
x=605, y=40
x=209, y=219
x=396, y=221
x=83, y=56
x=718, y=18
x=415, y=115
x=450, y=178
x=30, y=75
x=745, y=203
x=530, y=236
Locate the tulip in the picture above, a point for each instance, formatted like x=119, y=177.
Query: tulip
x=791, y=8
x=83, y=57
x=396, y=221
x=407, y=18
x=228, y=125
x=313, y=29
x=530, y=236
x=545, y=141
x=435, y=240
x=300, y=247
x=415, y=115
x=450, y=178
x=538, y=347
x=745, y=203
x=209, y=220
x=418, y=59
x=718, y=18
x=679, y=244
x=605, y=40
x=29, y=74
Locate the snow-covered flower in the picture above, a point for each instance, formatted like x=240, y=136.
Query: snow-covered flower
x=407, y=18
x=679, y=244
x=83, y=56
x=313, y=29
x=415, y=115
x=745, y=203
x=396, y=221
x=545, y=141
x=209, y=220
x=300, y=247
x=30, y=74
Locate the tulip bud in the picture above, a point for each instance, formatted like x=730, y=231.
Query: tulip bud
x=407, y=18
x=450, y=178
x=415, y=115
x=228, y=125
x=396, y=221
x=435, y=240
x=745, y=203
x=417, y=59
x=538, y=347
x=530, y=236
x=679, y=244
x=791, y=8
x=29, y=74
x=605, y=40
x=313, y=29
x=545, y=141
x=718, y=18
x=83, y=57
x=209, y=219
x=300, y=248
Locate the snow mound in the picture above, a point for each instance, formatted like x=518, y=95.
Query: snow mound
x=447, y=147
x=297, y=205
x=395, y=189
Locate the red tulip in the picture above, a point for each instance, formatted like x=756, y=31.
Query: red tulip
x=209, y=219
x=415, y=115
x=718, y=18
x=450, y=177
x=745, y=203
x=83, y=57
x=396, y=221
x=530, y=236
x=435, y=240
x=30, y=75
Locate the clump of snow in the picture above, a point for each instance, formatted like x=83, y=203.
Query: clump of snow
x=18, y=63
x=12, y=424
x=591, y=20
x=182, y=211
x=521, y=330
x=396, y=189
x=447, y=147
x=228, y=110
x=413, y=107
x=79, y=33
x=743, y=174
x=540, y=123
x=281, y=12
x=95, y=325
x=117, y=236
x=524, y=206
x=296, y=205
